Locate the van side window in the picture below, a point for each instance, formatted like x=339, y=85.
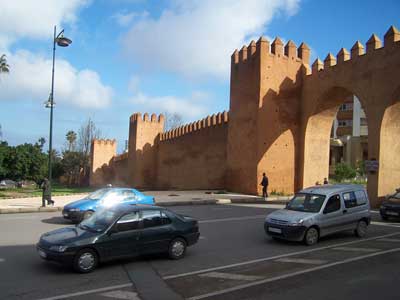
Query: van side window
x=332, y=205
x=353, y=199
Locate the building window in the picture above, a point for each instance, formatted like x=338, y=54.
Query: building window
x=345, y=123
x=346, y=107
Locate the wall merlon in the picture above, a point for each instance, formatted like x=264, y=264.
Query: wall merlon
x=262, y=46
x=251, y=49
x=153, y=118
x=235, y=57
x=391, y=36
x=373, y=43
x=357, y=50
x=343, y=55
x=303, y=52
x=243, y=54
x=290, y=49
x=213, y=120
x=317, y=65
x=277, y=46
x=329, y=61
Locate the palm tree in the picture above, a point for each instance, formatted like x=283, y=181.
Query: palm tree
x=71, y=138
x=4, y=67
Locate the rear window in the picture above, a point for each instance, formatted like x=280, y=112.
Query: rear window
x=353, y=199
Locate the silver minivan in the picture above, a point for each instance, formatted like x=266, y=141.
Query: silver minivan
x=321, y=210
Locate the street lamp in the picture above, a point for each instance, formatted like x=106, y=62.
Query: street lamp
x=61, y=41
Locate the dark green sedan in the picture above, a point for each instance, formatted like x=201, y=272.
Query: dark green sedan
x=120, y=232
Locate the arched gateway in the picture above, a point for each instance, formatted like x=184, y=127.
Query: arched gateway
x=280, y=118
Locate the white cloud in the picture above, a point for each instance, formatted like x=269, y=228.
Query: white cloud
x=196, y=38
x=125, y=19
x=133, y=84
x=30, y=78
x=190, y=108
x=35, y=19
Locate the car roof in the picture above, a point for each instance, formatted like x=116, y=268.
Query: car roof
x=135, y=207
x=327, y=189
x=118, y=189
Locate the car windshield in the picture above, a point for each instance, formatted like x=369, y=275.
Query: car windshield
x=100, y=220
x=306, y=202
x=97, y=194
x=395, y=198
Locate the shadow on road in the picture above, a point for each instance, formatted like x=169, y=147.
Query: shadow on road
x=57, y=221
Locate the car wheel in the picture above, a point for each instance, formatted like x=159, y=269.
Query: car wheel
x=85, y=261
x=88, y=214
x=311, y=237
x=177, y=248
x=361, y=230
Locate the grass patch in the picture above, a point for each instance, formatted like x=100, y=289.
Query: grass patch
x=57, y=190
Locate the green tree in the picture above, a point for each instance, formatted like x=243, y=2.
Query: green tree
x=4, y=153
x=71, y=164
x=4, y=67
x=71, y=140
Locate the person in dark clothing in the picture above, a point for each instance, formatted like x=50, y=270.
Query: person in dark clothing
x=264, y=183
x=326, y=181
x=46, y=196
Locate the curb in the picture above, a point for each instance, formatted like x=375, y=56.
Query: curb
x=29, y=210
x=284, y=200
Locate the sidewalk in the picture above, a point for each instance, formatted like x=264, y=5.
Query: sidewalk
x=163, y=198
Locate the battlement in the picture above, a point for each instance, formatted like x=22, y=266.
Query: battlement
x=137, y=117
x=120, y=157
x=391, y=39
x=276, y=48
x=104, y=142
x=209, y=121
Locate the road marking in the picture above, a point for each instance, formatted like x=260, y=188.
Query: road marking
x=112, y=287
x=231, y=276
x=386, y=224
x=255, y=283
x=276, y=257
x=303, y=261
x=354, y=249
x=233, y=219
x=389, y=240
x=121, y=295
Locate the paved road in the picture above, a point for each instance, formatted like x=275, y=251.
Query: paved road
x=233, y=260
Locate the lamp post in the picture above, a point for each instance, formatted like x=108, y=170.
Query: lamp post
x=61, y=41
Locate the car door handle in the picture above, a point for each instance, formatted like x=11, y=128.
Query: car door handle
x=345, y=211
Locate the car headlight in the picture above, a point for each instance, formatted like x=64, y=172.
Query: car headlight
x=74, y=209
x=297, y=223
x=58, y=248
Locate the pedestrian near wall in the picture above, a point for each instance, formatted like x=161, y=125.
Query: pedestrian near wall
x=326, y=181
x=46, y=196
x=264, y=183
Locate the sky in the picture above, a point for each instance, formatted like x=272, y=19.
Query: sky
x=152, y=56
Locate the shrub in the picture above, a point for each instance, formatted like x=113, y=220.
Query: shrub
x=344, y=171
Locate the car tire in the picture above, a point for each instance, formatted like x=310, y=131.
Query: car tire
x=87, y=214
x=85, y=261
x=361, y=230
x=177, y=248
x=311, y=237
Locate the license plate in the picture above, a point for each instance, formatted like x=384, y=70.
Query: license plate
x=42, y=253
x=276, y=230
x=392, y=213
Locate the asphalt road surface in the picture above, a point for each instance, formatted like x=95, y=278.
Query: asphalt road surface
x=233, y=259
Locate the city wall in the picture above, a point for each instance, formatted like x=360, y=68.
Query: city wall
x=280, y=117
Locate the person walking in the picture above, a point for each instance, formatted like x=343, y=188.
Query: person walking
x=264, y=183
x=326, y=181
x=46, y=196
